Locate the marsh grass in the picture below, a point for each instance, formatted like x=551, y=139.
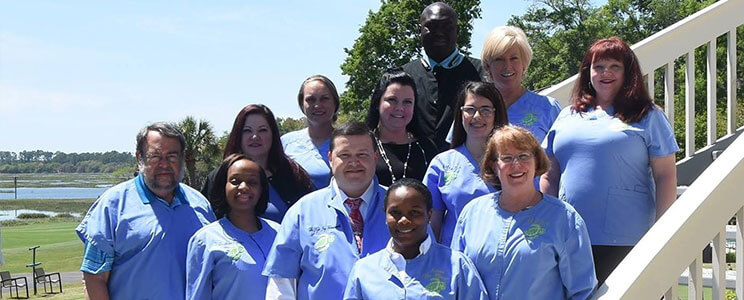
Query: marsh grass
x=56, y=205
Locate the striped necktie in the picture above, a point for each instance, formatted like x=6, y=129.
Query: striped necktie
x=357, y=224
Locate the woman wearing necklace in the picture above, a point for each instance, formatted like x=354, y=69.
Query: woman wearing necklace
x=404, y=152
x=525, y=245
x=225, y=259
x=453, y=176
x=318, y=100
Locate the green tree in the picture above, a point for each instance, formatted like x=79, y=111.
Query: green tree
x=201, y=149
x=390, y=38
x=289, y=124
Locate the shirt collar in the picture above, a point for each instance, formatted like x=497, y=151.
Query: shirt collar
x=398, y=260
x=366, y=196
x=452, y=61
x=147, y=196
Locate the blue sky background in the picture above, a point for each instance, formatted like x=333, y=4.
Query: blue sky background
x=85, y=76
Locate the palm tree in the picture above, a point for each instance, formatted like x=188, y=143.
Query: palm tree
x=201, y=147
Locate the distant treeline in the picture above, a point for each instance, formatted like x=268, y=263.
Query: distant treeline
x=59, y=162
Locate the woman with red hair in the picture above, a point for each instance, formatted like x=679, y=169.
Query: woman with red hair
x=612, y=153
x=255, y=133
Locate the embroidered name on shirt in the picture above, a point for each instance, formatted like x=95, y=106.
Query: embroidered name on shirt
x=529, y=119
x=314, y=230
x=324, y=242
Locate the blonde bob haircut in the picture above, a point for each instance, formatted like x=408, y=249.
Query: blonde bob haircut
x=517, y=138
x=501, y=38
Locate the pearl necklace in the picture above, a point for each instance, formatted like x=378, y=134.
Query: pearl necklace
x=385, y=158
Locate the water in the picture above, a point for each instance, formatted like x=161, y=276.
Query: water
x=13, y=214
x=53, y=193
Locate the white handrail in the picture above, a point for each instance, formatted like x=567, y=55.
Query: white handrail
x=677, y=238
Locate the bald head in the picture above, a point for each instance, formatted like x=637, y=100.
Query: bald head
x=439, y=30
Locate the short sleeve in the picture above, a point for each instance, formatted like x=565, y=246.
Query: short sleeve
x=96, y=261
x=286, y=252
x=97, y=227
x=547, y=142
x=431, y=180
x=660, y=139
x=198, y=269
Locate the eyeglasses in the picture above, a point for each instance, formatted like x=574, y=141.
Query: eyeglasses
x=510, y=159
x=156, y=158
x=485, y=111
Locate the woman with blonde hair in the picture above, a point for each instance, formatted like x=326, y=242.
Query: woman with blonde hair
x=506, y=56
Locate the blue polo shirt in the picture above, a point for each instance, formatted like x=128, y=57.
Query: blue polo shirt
x=146, y=237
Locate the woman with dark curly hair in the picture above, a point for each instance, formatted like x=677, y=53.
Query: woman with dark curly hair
x=612, y=153
x=225, y=258
x=404, y=150
x=256, y=135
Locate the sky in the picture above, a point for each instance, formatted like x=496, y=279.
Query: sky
x=85, y=76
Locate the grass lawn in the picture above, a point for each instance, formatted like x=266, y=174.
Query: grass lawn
x=71, y=290
x=707, y=293
x=60, y=250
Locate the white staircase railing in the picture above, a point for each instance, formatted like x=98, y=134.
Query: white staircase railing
x=675, y=242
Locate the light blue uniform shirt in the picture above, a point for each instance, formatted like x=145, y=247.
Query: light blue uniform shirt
x=147, y=238
x=225, y=262
x=535, y=113
x=436, y=273
x=538, y=253
x=316, y=245
x=453, y=178
x=298, y=146
x=606, y=172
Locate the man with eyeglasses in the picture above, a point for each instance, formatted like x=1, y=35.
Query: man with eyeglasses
x=440, y=73
x=136, y=233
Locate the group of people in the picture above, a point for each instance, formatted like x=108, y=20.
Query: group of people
x=462, y=184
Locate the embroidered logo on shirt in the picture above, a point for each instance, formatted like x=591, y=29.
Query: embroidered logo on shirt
x=324, y=242
x=534, y=231
x=449, y=176
x=236, y=252
x=529, y=119
x=619, y=126
x=436, y=285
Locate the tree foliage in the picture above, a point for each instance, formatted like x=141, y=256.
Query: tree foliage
x=202, y=150
x=390, y=38
x=39, y=161
x=290, y=124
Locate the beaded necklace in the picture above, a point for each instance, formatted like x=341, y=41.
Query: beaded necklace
x=385, y=158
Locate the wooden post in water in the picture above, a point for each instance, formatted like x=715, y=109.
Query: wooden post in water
x=15, y=187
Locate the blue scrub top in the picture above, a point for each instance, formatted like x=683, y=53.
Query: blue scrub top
x=276, y=207
x=316, y=245
x=225, y=262
x=299, y=146
x=606, y=172
x=453, y=178
x=440, y=273
x=147, y=238
x=542, y=252
x=535, y=113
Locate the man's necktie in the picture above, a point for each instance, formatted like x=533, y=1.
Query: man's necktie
x=357, y=224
